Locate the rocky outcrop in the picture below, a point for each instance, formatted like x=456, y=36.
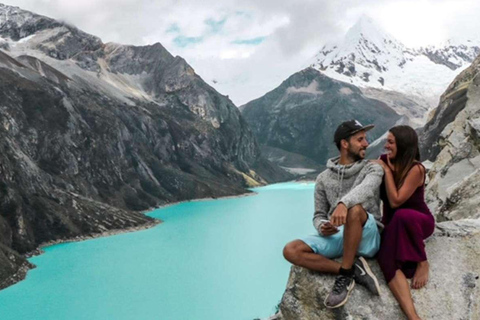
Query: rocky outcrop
x=301, y=115
x=451, y=293
x=93, y=133
x=13, y=267
x=451, y=140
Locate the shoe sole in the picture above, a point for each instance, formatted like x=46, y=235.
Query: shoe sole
x=343, y=301
x=370, y=273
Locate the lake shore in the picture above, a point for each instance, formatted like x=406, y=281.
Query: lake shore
x=22, y=271
x=246, y=194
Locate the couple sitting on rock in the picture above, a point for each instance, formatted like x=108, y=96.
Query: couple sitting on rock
x=349, y=223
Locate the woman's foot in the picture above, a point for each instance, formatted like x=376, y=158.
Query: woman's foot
x=420, y=278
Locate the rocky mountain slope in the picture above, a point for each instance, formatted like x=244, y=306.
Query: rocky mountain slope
x=452, y=140
x=92, y=133
x=386, y=69
x=301, y=115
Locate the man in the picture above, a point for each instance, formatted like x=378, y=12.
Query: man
x=347, y=211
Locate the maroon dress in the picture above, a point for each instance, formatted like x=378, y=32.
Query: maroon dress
x=406, y=227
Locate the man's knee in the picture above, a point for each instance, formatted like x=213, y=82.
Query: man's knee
x=357, y=213
x=293, y=250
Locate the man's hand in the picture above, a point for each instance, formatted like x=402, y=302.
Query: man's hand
x=339, y=215
x=328, y=229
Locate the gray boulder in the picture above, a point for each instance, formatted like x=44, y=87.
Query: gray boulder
x=451, y=293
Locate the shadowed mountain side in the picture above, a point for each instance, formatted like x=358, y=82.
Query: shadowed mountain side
x=132, y=157
x=92, y=133
x=301, y=115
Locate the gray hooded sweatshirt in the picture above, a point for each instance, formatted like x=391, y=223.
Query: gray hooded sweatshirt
x=356, y=183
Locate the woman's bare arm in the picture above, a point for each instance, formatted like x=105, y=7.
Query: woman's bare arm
x=412, y=181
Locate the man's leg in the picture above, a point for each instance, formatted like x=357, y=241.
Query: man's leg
x=352, y=235
x=300, y=254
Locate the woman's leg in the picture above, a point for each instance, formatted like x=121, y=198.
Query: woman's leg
x=401, y=290
x=420, y=278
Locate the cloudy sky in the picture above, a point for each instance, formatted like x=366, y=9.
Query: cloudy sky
x=247, y=48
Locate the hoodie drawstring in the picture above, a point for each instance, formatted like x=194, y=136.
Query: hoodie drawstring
x=340, y=176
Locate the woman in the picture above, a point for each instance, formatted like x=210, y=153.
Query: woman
x=406, y=217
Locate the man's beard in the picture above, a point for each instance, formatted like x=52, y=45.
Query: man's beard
x=355, y=156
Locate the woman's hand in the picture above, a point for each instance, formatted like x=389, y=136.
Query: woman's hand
x=384, y=166
x=389, y=163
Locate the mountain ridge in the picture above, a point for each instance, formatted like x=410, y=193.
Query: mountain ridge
x=301, y=114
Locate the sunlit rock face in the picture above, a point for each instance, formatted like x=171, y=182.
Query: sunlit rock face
x=301, y=115
x=452, y=140
x=92, y=133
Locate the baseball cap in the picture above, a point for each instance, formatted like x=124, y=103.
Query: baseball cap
x=349, y=128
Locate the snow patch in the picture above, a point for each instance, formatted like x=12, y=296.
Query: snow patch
x=311, y=89
x=346, y=91
x=25, y=39
x=298, y=170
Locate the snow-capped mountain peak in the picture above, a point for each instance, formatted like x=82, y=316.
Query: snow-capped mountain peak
x=369, y=57
x=366, y=46
x=366, y=29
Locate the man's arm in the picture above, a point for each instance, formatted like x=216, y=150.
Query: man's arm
x=371, y=182
x=321, y=206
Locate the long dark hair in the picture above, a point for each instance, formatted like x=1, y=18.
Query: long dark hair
x=406, y=140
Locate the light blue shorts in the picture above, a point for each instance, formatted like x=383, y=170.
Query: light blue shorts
x=332, y=246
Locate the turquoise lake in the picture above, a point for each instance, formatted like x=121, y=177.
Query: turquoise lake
x=215, y=259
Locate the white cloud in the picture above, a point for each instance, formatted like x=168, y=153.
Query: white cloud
x=250, y=46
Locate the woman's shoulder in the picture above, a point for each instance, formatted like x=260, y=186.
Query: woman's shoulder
x=418, y=170
x=419, y=166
